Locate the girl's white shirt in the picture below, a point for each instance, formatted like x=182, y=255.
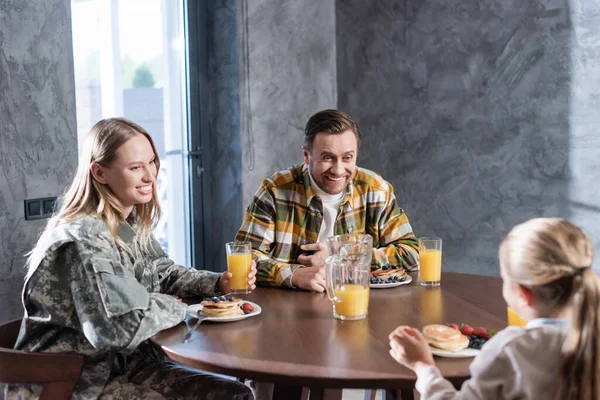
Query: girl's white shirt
x=517, y=363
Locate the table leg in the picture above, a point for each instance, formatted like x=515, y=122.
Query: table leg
x=281, y=392
x=399, y=394
x=325, y=394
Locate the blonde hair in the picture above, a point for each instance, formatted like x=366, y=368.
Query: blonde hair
x=553, y=258
x=87, y=196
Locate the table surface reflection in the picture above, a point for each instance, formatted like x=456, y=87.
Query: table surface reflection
x=296, y=341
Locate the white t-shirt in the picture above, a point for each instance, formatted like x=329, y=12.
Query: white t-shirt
x=331, y=205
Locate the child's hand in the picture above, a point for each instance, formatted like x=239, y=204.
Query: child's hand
x=410, y=348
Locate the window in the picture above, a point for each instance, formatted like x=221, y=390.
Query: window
x=129, y=61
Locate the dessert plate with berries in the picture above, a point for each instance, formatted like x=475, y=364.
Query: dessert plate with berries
x=388, y=276
x=224, y=309
x=477, y=338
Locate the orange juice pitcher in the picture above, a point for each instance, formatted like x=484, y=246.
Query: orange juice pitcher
x=347, y=275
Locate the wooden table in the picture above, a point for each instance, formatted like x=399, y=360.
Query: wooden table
x=297, y=343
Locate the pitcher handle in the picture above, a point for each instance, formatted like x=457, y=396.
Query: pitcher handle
x=330, y=264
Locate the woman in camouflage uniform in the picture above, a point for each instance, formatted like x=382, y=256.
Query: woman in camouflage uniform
x=99, y=285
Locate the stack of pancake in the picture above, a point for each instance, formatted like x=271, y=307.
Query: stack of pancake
x=221, y=308
x=445, y=338
x=387, y=274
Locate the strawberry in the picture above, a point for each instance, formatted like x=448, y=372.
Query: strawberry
x=247, y=308
x=467, y=330
x=481, y=332
x=454, y=326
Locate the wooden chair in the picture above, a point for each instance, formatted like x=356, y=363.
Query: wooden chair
x=57, y=373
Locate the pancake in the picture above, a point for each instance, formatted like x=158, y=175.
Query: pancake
x=221, y=304
x=445, y=338
x=221, y=312
x=388, y=273
x=221, y=308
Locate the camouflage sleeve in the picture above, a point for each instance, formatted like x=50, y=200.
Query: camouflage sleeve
x=183, y=281
x=115, y=311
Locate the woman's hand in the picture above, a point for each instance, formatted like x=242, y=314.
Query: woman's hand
x=409, y=348
x=225, y=285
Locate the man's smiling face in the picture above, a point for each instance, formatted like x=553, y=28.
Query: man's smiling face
x=332, y=160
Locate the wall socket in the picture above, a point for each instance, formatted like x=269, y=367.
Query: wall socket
x=40, y=208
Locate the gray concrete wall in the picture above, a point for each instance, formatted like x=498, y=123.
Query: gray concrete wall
x=38, y=139
x=482, y=114
x=291, y=73
x=225, y=171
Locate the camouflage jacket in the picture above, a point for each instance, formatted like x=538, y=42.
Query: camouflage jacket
x=85, y=294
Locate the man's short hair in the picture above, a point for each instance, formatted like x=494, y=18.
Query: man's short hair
x=329, y=121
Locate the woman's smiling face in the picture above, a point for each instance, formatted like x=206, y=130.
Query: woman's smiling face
x=132, y=175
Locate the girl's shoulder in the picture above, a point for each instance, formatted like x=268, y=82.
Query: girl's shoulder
x=523, y=341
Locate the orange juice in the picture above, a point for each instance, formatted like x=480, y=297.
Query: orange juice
x=431, y=265
x=355, y=301
x=514, y=319
x=239, y=266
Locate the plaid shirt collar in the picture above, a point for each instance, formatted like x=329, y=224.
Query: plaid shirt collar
x=302, y=173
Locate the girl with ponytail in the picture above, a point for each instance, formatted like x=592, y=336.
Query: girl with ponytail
x=545, y=264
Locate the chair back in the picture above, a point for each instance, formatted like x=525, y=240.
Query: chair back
x=56, y=373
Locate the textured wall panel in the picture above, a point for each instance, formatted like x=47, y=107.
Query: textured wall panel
x=225, y=172
x=38, y=141
x=291, y=74
x=482, y=114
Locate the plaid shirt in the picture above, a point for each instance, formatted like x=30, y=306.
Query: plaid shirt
x=286, y=213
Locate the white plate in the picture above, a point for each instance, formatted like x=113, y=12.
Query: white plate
x=468, y=352
x=389, y=285
x=193, y=312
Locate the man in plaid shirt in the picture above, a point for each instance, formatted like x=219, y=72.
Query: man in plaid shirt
x=295, y=210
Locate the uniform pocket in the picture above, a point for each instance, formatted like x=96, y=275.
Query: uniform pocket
x=119, y=290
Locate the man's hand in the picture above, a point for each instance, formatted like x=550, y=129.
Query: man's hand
x=309, y=278
x=317, y=259
x=224, y=281
x=409, y=348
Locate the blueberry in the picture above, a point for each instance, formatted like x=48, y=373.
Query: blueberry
x=222, y=298
x=230, y=298
x=380, y=280
x=247, y=311
x=217, y=300
x=386, y=267
x=402, y=279
x=394, y=267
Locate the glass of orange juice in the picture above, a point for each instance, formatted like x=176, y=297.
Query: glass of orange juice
x=239, y=260
x=430, y=253
x=514, y=319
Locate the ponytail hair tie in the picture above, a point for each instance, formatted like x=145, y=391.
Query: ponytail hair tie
x=580, y=271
